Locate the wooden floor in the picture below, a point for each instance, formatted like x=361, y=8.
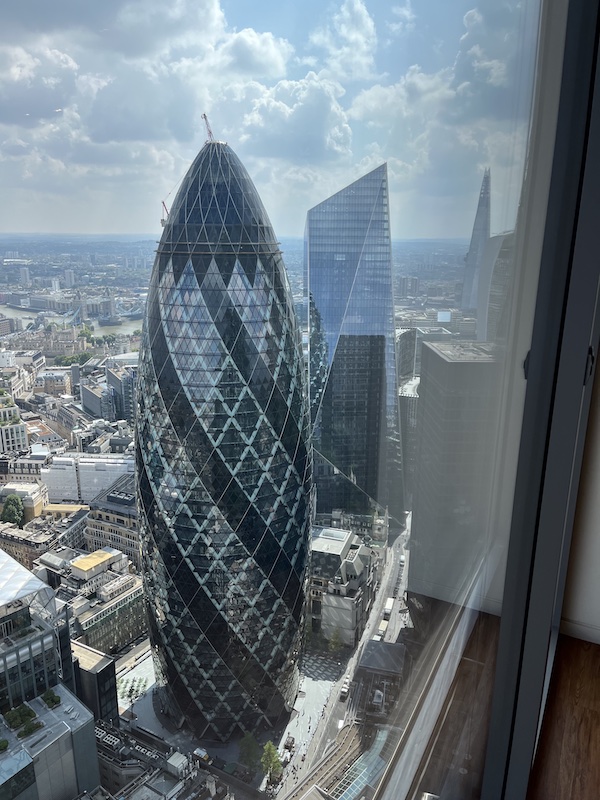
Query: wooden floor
x=452, y=765
x=567, y=763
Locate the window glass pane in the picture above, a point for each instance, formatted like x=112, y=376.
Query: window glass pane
x=383, y=329
x=448, y=327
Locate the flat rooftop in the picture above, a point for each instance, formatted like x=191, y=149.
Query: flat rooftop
x=330, y=540
x=155, y=788
x=92, y=560
x=119, y=496
x=465, y=351
x=89, y=659
x=66, y=509
x=71, y=714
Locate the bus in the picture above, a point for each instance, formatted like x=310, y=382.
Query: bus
x=389, y=605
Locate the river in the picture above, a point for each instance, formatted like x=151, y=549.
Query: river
x=28, y=315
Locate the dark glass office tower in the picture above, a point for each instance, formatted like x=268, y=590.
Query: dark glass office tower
x=223, y=462
x=352, y=360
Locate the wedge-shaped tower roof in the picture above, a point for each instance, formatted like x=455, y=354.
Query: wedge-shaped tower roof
x=352, y=362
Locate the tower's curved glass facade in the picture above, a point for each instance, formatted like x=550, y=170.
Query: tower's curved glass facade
x=223, y=459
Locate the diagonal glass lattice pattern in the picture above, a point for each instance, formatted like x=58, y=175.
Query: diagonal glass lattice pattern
x=222, y=455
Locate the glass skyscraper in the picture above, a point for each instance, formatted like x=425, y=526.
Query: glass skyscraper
x=479, y=240
x=352, y=359
x=224, y=467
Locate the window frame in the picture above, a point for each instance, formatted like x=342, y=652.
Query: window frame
x=560, y=371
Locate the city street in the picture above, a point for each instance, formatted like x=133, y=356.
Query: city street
x=321, y=724
x=338, y=716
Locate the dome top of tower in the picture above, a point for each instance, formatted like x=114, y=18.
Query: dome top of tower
x=217, y=204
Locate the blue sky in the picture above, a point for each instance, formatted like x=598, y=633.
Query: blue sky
x=101, y=103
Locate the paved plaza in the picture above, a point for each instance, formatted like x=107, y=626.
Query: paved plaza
x=318, y=715
x=320, y=674
x=136, y=693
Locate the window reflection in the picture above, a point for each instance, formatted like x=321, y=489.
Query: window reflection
x=412, y=406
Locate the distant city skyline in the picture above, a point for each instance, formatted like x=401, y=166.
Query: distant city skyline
x=143, y=237
x=101, y=108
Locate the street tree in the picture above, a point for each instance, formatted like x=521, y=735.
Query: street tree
x=12, y=510
x=270, y=761
x=250, y=753
x=335, y=643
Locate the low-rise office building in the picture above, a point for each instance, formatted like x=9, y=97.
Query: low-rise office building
x=22, y=467
x=97, y=400
x=60, y=761
x=40, y=433
x=370, y=527
x=56, y=382
x=24, y=545
x=122, y=381
x=112, y=521
x=56, y=527
x=342, y=584
x=34, y=636
x=137, y=766
x=80, y=477
x=31, y=360
x=115, y=618
x=16, y=381
x=105, y=600
x=13, y=433
x=34, y=497
x=96, y=682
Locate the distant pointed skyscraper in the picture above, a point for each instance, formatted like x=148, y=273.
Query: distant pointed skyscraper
x=479, y=239
x=352, y=364
x=223, y=459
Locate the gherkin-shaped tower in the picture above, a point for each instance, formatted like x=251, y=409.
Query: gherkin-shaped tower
x=223, y=459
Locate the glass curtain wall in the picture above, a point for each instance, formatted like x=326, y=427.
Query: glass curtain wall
x=464, y=291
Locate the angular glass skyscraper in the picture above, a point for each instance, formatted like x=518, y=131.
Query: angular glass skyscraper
x=352, y=361
x=223, y=460
x=479, y=240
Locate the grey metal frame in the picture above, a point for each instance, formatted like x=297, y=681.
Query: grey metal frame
x=560, y=377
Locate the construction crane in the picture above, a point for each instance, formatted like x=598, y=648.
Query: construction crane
x=211, y=138
x=165, y=215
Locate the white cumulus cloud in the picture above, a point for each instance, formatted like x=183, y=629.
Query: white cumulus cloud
x=404, y=18
x=301, y=120
x=349, y=42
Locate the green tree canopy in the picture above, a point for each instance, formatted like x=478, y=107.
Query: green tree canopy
x=336, y=642
x=86, y=333
x=74, y=358
x=12, y=510
x=270, y=761
x=250, y=751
